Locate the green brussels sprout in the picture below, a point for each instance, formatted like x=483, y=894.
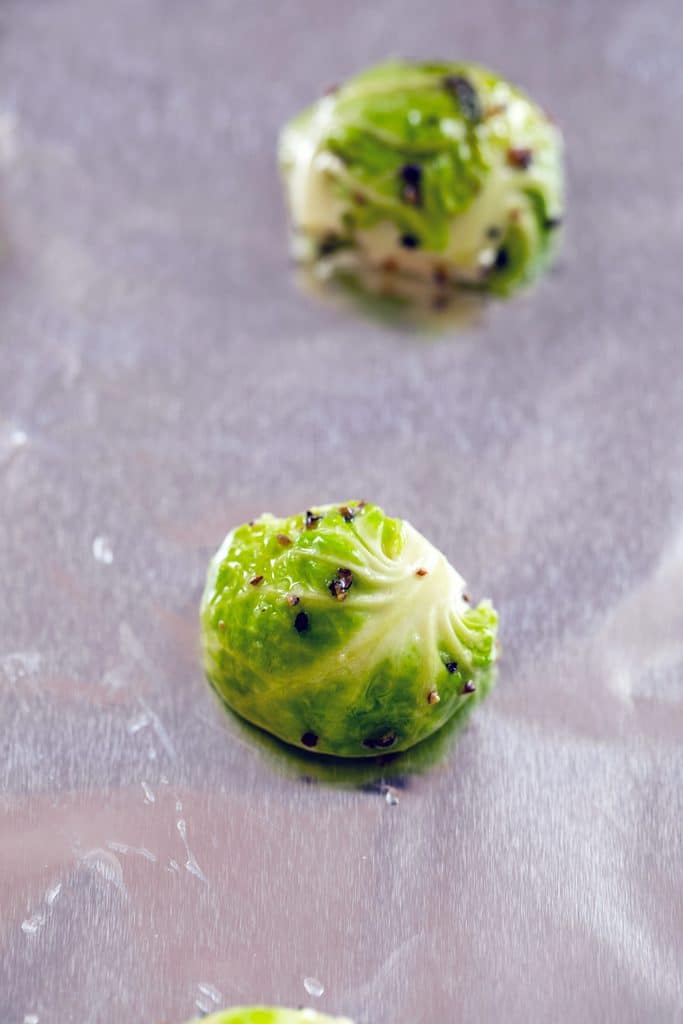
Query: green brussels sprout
x=442, y=172
x=341, y=631
x=271, y=1015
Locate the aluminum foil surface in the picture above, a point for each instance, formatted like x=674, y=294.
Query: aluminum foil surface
x=163, y=377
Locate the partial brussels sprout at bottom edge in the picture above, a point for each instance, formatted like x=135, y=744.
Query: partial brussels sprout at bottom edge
x=270, y=1015
x=442, y=173
x=342, y=630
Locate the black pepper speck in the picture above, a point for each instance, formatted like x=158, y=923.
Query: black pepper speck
x=301, y=622
x=502, y=259
x=311, y=520
x=380, y=742
x=520, y=158
x=466, y=95
x=410, y=177
x=341, y=584
x=411, y=174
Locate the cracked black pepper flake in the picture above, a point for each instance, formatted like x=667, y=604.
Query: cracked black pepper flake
x=466, y=597
x=330, y=244
x=520, y=157
x=497, y=108
x=469, y=687
x=380, y=742
x=452, y=666
x=411, y=174
x=292, y=600
x=411, y=195
x=309, y=739
x=552, y=223
x=283, y=539
x=433, y=697
x=493, y=232
x=341, y=583
x=466, y=95
x=411, y=184
x=410, y=242
x=256, y=580
x=301, y=622
x=421, y=572
x=361, y=505
x=347, y=514
x=502, y=259
x=311, y=520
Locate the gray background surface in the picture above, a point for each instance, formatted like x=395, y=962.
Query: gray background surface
x=162, y=378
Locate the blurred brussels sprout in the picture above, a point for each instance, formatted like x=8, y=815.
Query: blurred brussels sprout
x=341, y=631
x=442, y=172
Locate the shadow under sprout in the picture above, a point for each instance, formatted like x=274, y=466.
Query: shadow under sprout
x=378, y=774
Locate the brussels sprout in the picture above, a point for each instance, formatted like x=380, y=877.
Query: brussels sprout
x=341, y=631
x=441, y=172
x=271, y=1015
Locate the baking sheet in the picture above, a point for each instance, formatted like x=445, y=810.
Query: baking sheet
x=162, y=377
